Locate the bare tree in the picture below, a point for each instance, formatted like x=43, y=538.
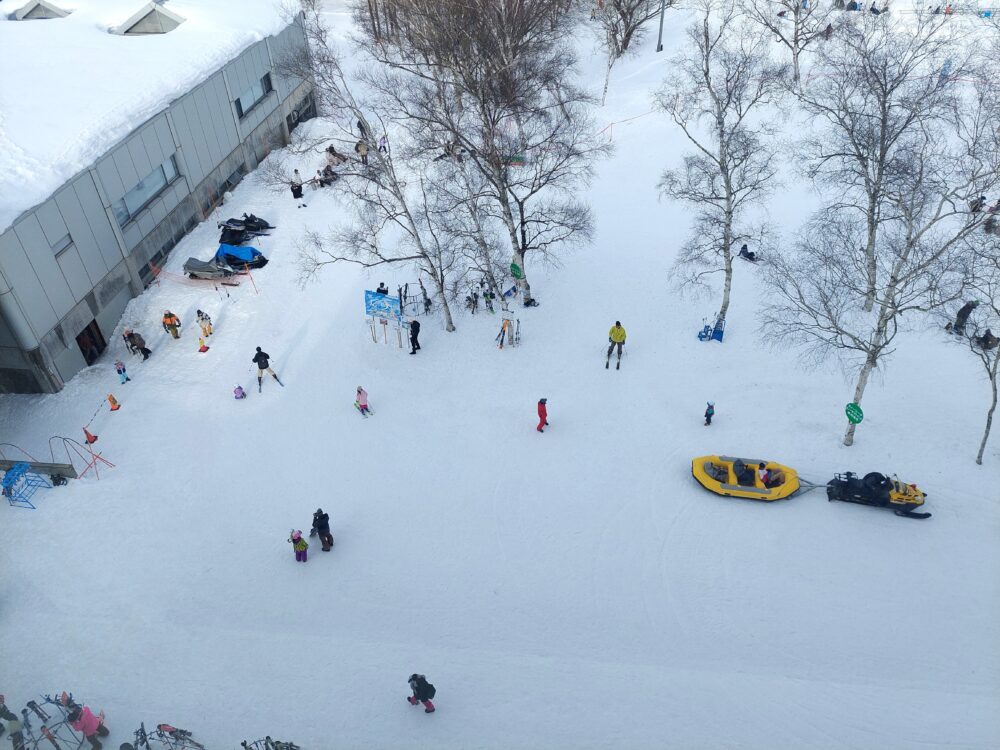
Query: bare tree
x=718, y=83
x=874, y=86
x=396, y=203
x=619, y=23
x=921, y=253
x=794, y=23
x=983, y=331
x=491, y=83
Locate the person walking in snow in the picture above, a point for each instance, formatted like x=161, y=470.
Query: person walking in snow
x=361, y=149
x=263, y=362
x=139, y=343
x=383, y=145
x=616, y=337
x=120, y=369
x=296, y=187
x=82, y=719
x=129, y=345
x=709, y=413
x=362, y=130
x=414, y=336
x=361, y=402
x=171, y=323
x=543, y=414
x=423, y=691
x=205, y=323
x=321, y=526
x=299, y=545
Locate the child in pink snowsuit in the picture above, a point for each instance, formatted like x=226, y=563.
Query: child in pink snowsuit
x=361, y=401
x=90, y=726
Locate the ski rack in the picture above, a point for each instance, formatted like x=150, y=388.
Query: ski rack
x=164, y=736
x=268, y=744
x=50, y=732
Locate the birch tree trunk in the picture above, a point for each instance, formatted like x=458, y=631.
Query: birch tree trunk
x=993, y=406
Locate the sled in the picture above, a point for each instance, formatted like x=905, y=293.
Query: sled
x=717, y=474
x=879, y=491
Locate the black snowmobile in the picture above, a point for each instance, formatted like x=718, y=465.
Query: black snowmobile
x=879, y=491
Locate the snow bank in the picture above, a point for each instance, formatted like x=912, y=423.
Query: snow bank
x=69, y=89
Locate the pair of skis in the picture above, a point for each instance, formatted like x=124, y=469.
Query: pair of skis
x=367, y=409
x=260, y=383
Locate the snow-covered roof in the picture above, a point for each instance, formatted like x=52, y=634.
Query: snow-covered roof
x=39, y=9
x=151, y=18
x=69, y=90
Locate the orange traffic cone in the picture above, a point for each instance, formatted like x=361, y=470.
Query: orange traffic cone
x=115, y=406
x=201, y=346
x=91, y=439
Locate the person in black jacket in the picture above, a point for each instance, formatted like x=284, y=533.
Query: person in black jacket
x=423, y=691
x=262, y=360
x=414, y=333
x=321, y=525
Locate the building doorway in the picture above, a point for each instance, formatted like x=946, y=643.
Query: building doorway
x=91, y=342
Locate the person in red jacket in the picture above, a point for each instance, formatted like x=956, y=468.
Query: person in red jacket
x=543, y=414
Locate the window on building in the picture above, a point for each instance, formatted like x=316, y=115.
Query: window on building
x=142, y=194
x=253, y=95
x=62, y=245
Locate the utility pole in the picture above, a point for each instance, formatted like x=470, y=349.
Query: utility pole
x=659, y=40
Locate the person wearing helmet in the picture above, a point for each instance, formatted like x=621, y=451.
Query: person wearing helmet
x=171, y=323
x=543, y=414
x=300, y=545
x=616, y=337
x=361, y=402
x=321, y=527
x=709, y=413
x=423, y=691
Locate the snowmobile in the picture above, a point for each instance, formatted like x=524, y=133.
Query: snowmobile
x=255, y=223
x=206, y=269
x=879, y=491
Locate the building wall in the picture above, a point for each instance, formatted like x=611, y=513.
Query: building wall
x=51, y=289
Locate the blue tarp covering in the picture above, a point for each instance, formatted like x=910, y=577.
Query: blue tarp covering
x=244, y=253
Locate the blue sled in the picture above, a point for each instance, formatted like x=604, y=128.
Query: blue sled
x=708, y=333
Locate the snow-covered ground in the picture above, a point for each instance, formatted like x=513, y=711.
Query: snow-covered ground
x=575, y=589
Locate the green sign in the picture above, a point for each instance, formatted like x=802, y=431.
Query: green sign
x=515, y=271
x=854, y=413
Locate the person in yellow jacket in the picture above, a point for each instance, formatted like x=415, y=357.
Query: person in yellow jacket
x=171, y=323
x=617, y=338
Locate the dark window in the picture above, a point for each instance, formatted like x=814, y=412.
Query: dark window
x=143, y=194
x=253, y=95
x=62, y=245
x=91, y=342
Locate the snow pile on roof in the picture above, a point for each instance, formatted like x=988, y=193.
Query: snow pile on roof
x=69, y=89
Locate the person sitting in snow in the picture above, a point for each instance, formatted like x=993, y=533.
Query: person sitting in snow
x=82, y=719
x=239, y=393
x=745, y=253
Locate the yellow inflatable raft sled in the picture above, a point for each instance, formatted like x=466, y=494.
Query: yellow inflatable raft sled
x=722, y=475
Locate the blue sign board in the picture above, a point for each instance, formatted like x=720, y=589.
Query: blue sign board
x=382, y=305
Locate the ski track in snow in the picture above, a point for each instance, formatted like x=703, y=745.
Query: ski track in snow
x=574, y=589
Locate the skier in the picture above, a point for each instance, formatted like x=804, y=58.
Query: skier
x=543, y=414
x=262, y=360
x=138, y=344
x=206, y=324
x=361, y=402
x=423, y=691
x=171, y=323
x=300, y=545
x=962, y=317
x=296, y=186
x=616, y=336
x=120, y=369
x=414, y=334
x=709, y=413
x=82, y=719
x=321, y=526
x=239, y=393
x=361, y=149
